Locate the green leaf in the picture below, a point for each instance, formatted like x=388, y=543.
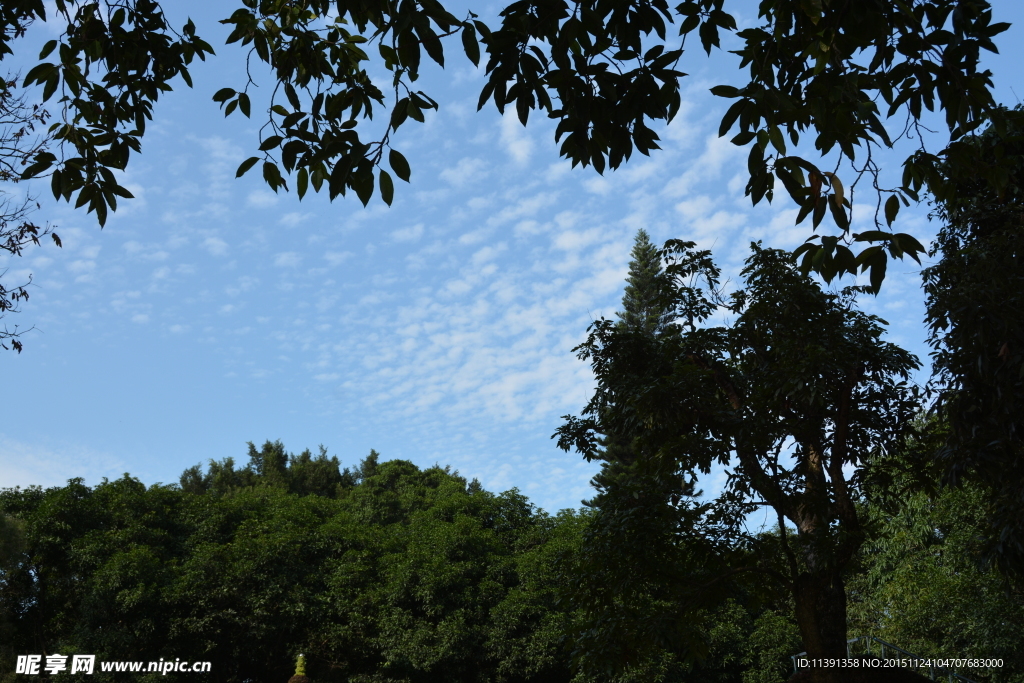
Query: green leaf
x=387, y=187
x=725, y=91
x=246, y=165
x=100, y=207
x=223, y=95
x=272, y=175
x=362, y=183
x=878, y=266
x=400, y=112
x=319, y=172
x=892, y=207
x=838, y=212
x=302, y=182
x=50, y=46
x=293, y=97
x=270, y=143
x=51, y=85
x=812, y=8
x=806, y=208
x=744, y=138
x=872, y=236
x=38, y=73
x=730, y=117
x=122, y=192
x=389, y=54
x=819, y=210
x=689, y=23
x=797, y=191
x=470, y=45
x=399, y=165
x=243, y=104
x=36, y=168
x=909, y=244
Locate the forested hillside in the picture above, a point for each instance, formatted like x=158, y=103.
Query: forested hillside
x=386, y=572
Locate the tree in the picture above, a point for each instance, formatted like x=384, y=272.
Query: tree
x=644, y=310
x=18, y=144
x=604, y=69
x=272, y=466
x=643, y=307
x=408, y=575
x=788, y=397
x=975, y=316
x=919, y=583
x=12, y=545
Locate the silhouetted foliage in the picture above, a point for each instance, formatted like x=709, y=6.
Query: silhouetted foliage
x=793, y=397
x=975, y=317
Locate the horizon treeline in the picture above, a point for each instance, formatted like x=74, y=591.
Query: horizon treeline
x=384, y=572
x=387, y=573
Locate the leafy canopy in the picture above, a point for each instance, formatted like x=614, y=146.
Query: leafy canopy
x=792, y=398
x=643, y=308
x=975, y=317
x=605, y=70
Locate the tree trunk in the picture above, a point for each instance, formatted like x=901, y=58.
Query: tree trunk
x=821, y=616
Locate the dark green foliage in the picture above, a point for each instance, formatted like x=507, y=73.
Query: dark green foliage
x=798, y=390
x=111, y=64
x=919, y=583
x=976, y=324
x=643, y=304
x=605, y=70
x=646, y=311
x=301, y=474
x=414, y=575
x=394, y=573
x=12, y=545
x=19, y=141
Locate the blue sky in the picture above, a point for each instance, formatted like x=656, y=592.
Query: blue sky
x=210, y=312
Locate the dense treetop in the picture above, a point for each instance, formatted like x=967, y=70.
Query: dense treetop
x=605, y=70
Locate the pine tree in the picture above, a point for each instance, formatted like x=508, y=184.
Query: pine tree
x=643, y=308
x=643, y=311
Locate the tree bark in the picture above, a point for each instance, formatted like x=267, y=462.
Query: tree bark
x=821, y=616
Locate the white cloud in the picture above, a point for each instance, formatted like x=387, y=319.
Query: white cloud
x=516, y=140
x=465, y=171
x=262, y=199
x=288, y=259
x=410, y=234
x=52, y=464
x=599, y=185
x=526, y=206
x=220, y=149
x=575, y=240
x=82, y=266
x=140, y=318
x=294, y=218
x=243, y=284
x=216, y=246
x=336, y=258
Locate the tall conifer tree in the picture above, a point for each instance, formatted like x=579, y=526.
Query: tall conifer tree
x=644, y=311
x=642, y=306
